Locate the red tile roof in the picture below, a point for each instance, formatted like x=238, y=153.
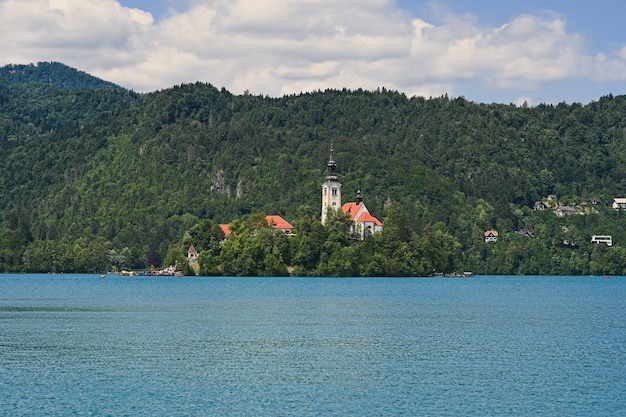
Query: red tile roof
x=366, y=217
x=351, y=208
x=274, y=222
x=225, y=229
x=277, y=222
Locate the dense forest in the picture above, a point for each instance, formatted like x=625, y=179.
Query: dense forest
x=96, y=177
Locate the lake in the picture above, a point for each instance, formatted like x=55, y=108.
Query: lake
x=81, y=345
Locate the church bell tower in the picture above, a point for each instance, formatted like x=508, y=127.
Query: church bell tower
x=331, y=189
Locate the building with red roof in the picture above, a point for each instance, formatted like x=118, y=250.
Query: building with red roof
x=274, y=222
x=225, y=228
x=364, y=223
x=278, y=223
x=491, y=236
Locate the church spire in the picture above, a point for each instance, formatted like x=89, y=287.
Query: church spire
x=359, y=198
x=331, y=173
x=331, y=189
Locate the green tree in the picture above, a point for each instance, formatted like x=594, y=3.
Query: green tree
x=204, y=236
x=309, y=238
x=175, y=257
x=254, y=249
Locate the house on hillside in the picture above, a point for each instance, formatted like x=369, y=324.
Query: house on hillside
x=491, y=236
x=526, y=232
x=606, y=239
x=365, y=223
x=619, y=203
x=562, y=211
x=226, y=229
x=539, y=206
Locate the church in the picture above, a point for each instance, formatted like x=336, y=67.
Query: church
x=364, y=223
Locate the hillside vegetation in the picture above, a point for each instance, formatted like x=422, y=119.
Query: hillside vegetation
x=95, y=177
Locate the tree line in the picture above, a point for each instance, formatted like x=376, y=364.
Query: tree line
x=125, y=175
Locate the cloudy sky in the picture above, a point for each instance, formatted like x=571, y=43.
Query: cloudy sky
x=504, y=51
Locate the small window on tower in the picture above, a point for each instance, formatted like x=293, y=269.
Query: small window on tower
x=334, y=192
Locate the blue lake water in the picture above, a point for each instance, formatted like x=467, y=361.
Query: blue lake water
x=79, y=345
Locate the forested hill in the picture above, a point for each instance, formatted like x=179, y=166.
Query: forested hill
x=54, y=74
x=128, y=173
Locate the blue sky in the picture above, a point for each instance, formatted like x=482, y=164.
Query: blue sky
x=484, y=50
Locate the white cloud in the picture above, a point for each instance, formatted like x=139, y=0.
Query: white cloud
x=287, y=46
x=90, y=33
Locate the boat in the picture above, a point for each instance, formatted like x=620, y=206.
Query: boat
x=465, y=274
x=170, y=271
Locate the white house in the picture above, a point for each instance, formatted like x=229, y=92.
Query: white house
x=562, y=211
x=602, y=239
x=619, y=203
x=491, y=236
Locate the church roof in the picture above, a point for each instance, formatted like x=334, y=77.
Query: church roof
x=352, y=208
x=359, y=213
x=367, y=217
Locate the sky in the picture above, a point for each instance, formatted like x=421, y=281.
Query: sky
x=489, y=51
